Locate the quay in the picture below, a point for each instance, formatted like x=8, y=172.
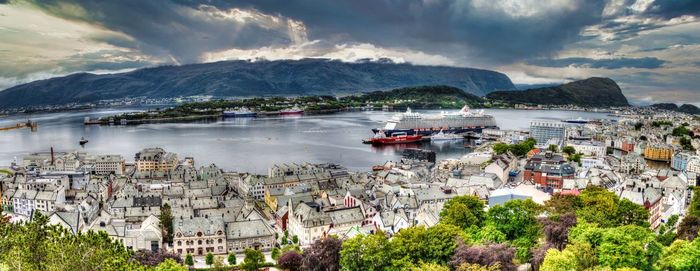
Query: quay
x=32, y=125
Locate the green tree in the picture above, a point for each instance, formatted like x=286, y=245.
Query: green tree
x=371, y=252
x=231, y=259
x=516, y=218
x=189, y=260
x=628, y=246
x=463, y=211
x=630, y=213
x=430, y=267
x=209, y=259
x=553, y=148
x=166, y=223
x=253, y=260
x=556, y=260
x=681, y=255
x=569, y=150
x=295, y=239
x=560, y=204
x=170, y=265
x=275, y=254
x=599, y=206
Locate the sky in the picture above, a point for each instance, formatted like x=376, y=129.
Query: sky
x=650, y=47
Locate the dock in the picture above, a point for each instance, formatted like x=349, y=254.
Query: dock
x=32, y=125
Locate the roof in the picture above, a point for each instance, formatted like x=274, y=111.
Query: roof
x=247, y=229
x=191, y=226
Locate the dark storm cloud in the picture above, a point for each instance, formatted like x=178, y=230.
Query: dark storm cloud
x=616, y=63
x=453, y=28
x=674, y=8
x=164, y=28
x=458, y=29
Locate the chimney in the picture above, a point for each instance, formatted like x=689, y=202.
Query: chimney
x=52, y=159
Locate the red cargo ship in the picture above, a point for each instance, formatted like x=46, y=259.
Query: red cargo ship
x=395, y=138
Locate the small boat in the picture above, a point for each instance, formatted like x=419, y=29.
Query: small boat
x=243, y=112
x=578, y=120
x=292, y=111
x=83, y=141
x=441, y=136
x=395, y=138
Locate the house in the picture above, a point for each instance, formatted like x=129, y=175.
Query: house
x=253, y=234
x=199, y=236
x=501, y=166
x=548, y=170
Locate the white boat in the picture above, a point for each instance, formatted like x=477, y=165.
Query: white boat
x=441, y=136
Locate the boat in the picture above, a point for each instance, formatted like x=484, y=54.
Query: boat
x=292, y=111
x=460, y=122
x=83, y=141
x=395, y=138
x=578, y=120
x=242, y=112
x=440, y=136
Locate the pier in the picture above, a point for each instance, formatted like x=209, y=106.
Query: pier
x=32, y=125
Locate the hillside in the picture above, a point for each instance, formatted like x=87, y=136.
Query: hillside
x=593, y=91
x=424, y=97
x=245, y=78
x=685, y=108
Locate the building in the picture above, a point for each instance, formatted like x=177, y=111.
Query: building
x=632, y=163
x=254, y=234
x=199, y=235
x=548, y=170
x=588, y=148
x=23, y=202
x=155, y=159
x=502, y=165
x=309, y=222
x=658, y=152
x=544, y=132
x=109, y=164
x=693, y=164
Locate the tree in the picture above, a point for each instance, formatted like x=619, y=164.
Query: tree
x=630, y=213
x=556, y=229
x=231, y=259
x=154, y=258
x=430, y=267
x=598, y=205
x=553, y=148
x=681, y=255
x=476, y=267
x=295, y=239
x=628, y=246
x=209, y=259
x=275, y=254
x=323, y=255
x=189, y=261
x=166, y=223
x=689, y=227
x=569, y=150
x=515, y=218
x=291, y=261
x=556, y=260
x=253, y=260
x=463, y=211
x=485, y=255
x=170, y=265
x=371, y=252
x=560, y=204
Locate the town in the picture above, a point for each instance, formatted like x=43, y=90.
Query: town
x=159, y=202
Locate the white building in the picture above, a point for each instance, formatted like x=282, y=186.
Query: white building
x=109, y=164
x=588, y=148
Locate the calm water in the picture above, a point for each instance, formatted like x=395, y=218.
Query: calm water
x=241, y=144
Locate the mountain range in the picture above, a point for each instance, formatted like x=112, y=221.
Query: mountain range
x=685, y=108
x=594, y=91
x=250, y=78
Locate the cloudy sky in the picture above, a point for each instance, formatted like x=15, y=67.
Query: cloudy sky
x=651, y=47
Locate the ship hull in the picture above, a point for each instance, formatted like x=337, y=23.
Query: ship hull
x=429, y=132
x=241, y=115
x=396, y=140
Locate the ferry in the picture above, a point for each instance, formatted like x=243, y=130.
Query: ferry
x=395, y=138
x=578, y=120
x=440, y=136
x=292, y=111
x=243, y=112
x=458, y=123
x=83, y=141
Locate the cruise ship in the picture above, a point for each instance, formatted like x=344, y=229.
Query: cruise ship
x=449, y=122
